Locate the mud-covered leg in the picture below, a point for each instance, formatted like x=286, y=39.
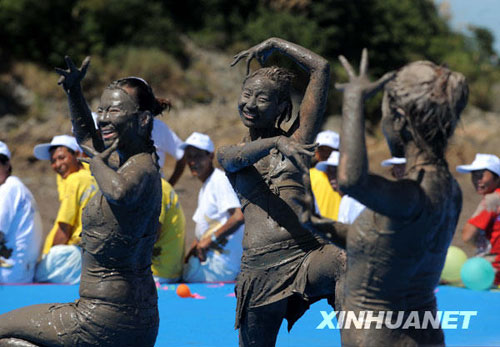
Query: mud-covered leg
x=260, y=326
x=38, y=324
x=326, y=269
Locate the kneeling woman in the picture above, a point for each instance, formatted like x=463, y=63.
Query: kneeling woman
x=118, y=300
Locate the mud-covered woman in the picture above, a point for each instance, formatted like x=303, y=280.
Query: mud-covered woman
x=284, y=267
x=397, y=247
x=118, y=299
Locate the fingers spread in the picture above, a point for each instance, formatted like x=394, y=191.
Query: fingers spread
x=347, y=66
x=85, y=65
x=69, y=63
x=363, y=66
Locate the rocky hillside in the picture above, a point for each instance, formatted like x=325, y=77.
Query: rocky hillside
x=46, y=117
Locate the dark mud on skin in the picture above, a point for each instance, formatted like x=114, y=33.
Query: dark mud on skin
x=118, y=299
x=397, y=246
x=283, y=265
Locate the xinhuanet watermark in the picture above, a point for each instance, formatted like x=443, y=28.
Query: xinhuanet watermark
x=396, y=319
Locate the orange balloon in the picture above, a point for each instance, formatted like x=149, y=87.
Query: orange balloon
x=183, y=291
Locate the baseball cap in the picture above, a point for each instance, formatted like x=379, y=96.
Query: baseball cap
x=393, y=161
x=42, y=152
x=200, y=141
x=333, y=160
x=328, y=138
x=482, y=161
x=4, y=149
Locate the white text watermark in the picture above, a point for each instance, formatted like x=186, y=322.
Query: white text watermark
x=396, y=319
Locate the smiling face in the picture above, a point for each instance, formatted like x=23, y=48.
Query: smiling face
x=199, y=162
x=485, y=181
x=117, y=116
x=63, y=161
x=258, y=103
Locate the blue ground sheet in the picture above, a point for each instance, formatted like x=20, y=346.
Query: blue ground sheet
x=208, y=318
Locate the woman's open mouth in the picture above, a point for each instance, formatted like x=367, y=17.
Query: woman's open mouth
x=108, y=133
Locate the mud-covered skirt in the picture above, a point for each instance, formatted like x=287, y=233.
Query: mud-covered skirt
x=282, y=270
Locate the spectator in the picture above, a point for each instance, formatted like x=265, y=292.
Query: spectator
x=398, y=166
x=327, y=199
x=216, y=252
x=166, y=141
x=61, y=262
x=20, y=226
x=484, y=225
x=349, y=208
x=168, y=251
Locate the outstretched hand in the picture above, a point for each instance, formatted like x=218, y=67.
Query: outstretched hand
x=361, y=82
x=72, y=76
x=261, y=52
x=295, y=151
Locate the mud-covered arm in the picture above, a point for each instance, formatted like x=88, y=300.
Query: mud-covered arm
x=313, y=104
x=125, y=185
x=236, y=157
x=390, y=198
x=81, y=116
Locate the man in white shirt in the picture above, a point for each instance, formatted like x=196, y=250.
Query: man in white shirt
x=216, y=252
x=20, y=225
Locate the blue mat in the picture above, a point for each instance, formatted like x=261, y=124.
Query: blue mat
x=209, y=320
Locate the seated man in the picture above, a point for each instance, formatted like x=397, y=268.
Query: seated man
x=20, y=226
x=349, y=208
x=61, y=262
x=327, y=199
x=484, y=225
x=215, y=254
x=168, y=251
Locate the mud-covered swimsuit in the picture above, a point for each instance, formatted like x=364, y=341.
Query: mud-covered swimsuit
x=277, y=249
x=118, y=299
x=395, y=264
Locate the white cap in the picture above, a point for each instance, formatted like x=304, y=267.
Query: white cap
x=200, y=141
x=393, y=161
x=333, y=160
x=4, y=149
x=41, y=151
x=328, y=138
x=482, y=161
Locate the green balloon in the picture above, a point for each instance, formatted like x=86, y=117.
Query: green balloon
x=477, y=274
x=455, y=258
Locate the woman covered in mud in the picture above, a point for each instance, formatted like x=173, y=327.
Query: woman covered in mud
x=118, y=299
x=397, y=247
x=284, y=267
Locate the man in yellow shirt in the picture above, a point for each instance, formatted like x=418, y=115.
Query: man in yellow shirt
x=168, y=251
x=327, y=200
x=61, y=262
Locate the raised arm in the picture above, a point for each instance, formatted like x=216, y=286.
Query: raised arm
x=390, y=198
x=313, y=104
x=81, y=117
x=236, y=157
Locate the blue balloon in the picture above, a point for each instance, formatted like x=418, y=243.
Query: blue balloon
x=477, y=274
